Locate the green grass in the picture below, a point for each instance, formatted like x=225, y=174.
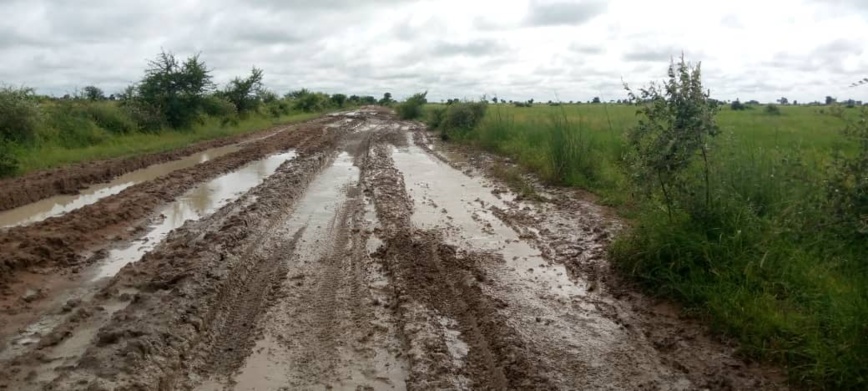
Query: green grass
x=54, y=153
x=764, y=265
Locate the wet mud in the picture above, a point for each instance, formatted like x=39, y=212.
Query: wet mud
x=367, y=260
x=60, y=204
x=72, y=179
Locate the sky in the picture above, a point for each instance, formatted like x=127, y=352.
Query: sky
x=513, y=49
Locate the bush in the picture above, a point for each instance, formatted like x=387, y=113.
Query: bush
x=772, y=110
x=461, y=118
x=412, y=107
x=20, y=116
x=8, y=162
x=73, y=126
x=109, y=117
x=435, y=117
x=675, y=124
x=738, y=106
x=847, y=186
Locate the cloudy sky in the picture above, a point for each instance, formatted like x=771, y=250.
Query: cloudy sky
x=513, y=49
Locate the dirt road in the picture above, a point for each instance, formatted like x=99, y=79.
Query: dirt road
x=370, y=259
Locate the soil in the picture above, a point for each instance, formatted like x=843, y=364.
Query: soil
x=71, y=179
x=369, y=261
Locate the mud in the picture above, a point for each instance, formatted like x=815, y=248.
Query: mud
x=60, y=204
x=371, y=261
x=70, y=180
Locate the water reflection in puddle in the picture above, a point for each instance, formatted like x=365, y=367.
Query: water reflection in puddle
x=61, y=204
x=193, y=205
x=446, y=198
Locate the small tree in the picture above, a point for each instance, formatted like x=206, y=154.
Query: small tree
x=245, y=93
x=783, y=101
x=93, y=93
x=676, y=121
x=339, y=99
x=830, y=100
x=737, y=105
x=387, y=99
x=175, y=90
x=595, y=100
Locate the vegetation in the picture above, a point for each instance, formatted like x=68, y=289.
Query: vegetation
x=174, y=104
x=412, y=107
x=755, y=222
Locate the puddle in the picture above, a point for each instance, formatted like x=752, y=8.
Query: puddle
x=61, y=204
x=193, y=205
x=288, y=356
x=446, y=198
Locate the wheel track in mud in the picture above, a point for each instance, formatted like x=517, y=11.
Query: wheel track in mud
x=425, y=270
x=61, y=241
x=15, y=192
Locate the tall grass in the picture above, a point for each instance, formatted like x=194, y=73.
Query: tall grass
x=764, y=263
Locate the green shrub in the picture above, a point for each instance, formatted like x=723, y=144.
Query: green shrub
x=20, y=117
x=676, y=123
x=109, y=117
x=412, y=107
x=772, y=110
x=847, y=184
x=435, y=116
x=8, y=162
x=463, y=117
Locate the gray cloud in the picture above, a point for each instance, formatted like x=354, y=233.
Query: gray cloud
x=564, y=12
x=474, y=48
x=453, y=48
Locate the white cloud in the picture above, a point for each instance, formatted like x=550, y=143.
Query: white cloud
x=517, y=49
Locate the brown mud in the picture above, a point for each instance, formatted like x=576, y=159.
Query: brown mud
x=71, y=179
x=371, y=262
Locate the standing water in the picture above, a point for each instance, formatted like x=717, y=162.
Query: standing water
x=61, y=204
x=193, y=205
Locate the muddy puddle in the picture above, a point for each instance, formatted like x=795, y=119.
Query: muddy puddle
x=195, y=204
x=58, y=205
x=446, y=198
x=297, y=349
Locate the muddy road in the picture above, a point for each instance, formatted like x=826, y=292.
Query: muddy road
x=347, y=253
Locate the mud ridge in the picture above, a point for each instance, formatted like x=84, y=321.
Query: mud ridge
x=426, y=271
x=209, y=280
x=15, y=192
x=63, y=241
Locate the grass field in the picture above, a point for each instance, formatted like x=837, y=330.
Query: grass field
x=765, y=264
x=53, y=154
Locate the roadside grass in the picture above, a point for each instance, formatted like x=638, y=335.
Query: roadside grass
x=764, y=264
x=99, y=143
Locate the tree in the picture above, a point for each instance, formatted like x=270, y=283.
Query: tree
x=595, y=100
x=387, y=99
x=494, y=100
x=783, y=101
x=93, y=93
x=339, y=99
x=830, y=100
x=245, y=93
x=737, y=106
x=676, y=121
x=174, y=90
